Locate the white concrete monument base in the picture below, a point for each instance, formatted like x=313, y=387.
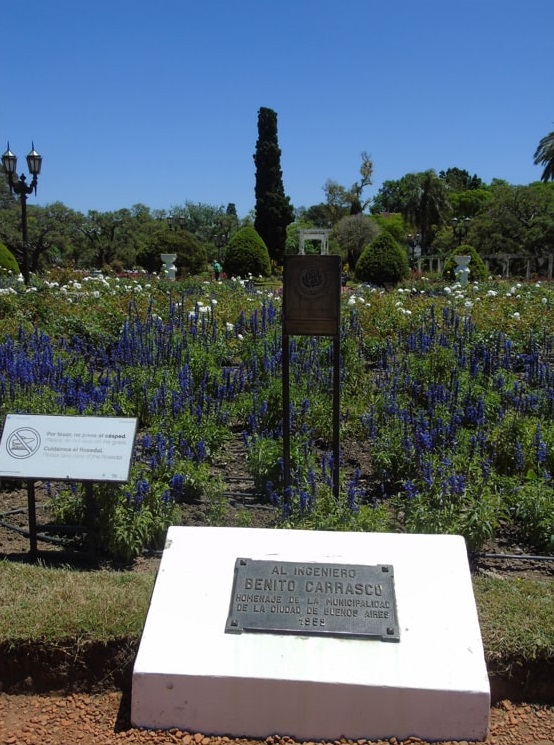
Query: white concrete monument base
x=192, y=675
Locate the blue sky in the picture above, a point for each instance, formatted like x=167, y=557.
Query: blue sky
x=136, y=101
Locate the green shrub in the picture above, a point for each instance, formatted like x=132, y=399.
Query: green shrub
x=478, y=271
x=246, y=254
x=125, y=523
x=383, y=262
x=7, y=260
x=192, y=257
x=531, y=508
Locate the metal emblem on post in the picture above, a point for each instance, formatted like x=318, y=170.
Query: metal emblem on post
x=311, y=295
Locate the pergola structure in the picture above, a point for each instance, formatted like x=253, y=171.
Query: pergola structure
x=315, y=234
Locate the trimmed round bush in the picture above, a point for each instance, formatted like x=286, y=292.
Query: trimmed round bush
x=478, y=271
x=246, y=254
x=7, y=260
x=383, y=262
x=192, y=257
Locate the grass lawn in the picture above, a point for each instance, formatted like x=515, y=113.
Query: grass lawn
x=55, y=606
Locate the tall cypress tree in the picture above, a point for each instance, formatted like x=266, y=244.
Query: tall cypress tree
x=273, y=209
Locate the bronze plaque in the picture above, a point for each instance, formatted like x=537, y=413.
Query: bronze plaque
x=311, y=295
x=344, y=600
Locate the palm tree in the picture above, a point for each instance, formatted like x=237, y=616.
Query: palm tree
x=426, y=204
x=544, y=155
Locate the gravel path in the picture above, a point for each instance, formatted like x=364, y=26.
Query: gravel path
x=103, y=719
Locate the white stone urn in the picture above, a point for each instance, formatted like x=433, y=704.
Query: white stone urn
x=169, y=266
x=462, y=268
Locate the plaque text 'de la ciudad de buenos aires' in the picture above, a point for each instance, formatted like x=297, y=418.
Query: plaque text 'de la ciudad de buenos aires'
x=345, y=600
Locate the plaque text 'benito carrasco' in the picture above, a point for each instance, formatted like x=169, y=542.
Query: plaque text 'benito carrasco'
x=351, y=600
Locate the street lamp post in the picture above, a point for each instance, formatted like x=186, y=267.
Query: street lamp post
x=176, y=223
x=18, y=185
x=415, y=248
x=460, y=228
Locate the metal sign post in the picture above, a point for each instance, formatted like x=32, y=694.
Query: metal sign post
x=311, y=307
x=85, y=449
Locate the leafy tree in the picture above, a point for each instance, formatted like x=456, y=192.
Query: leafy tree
x=393, y=224
x=391, y=197
x=213, y=226
x=53, y=230
x=247, y=254
x=458, y=179
x=105, y=234
x=7, y=199
x=116, y=236
x=470, y=202
x=427, y=201
x=467, y=194
x=198, y=218
x=101, y=238
x=336, y=202
x=137, y=233
x=341, y=201
x=316, y=216
x=51, y=233
x=516, y=220
x=273, y=209
x=353, y=233
x=383, y=262
x=292, y=245
x=421, y=199
x=544, y=155
x=226, y=225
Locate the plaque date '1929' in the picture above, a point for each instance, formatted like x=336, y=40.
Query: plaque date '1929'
x=346, y=600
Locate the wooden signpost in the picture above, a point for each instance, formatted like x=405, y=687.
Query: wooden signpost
x=311, y=305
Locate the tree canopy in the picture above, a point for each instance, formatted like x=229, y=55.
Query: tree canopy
x=505, y=219
x=340, y=201
x=353, y=233
x=421, y=199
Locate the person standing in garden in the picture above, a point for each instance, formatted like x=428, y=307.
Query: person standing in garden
x=217, y=269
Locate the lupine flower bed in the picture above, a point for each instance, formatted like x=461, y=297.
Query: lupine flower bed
x=447, y=398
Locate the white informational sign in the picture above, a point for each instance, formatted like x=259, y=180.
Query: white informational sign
x=76, y=448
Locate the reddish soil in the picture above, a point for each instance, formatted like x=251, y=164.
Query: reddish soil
x=103, y=719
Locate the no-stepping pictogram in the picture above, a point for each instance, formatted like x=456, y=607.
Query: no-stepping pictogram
x=23, y=442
